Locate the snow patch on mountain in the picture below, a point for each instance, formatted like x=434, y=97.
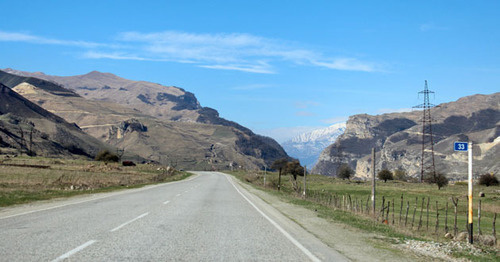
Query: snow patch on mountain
x=308, y=146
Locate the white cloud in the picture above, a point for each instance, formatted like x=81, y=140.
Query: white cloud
x=234, y=51
x=24, y=37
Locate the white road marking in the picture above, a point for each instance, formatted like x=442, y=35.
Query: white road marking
x=128, y=222
x=74, y=251
x=177, y=195
x=103, y=197
x=287, y=235
x=166, y=202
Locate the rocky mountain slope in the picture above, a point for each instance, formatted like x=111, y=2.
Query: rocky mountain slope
x=27, y=128
x=308, y=146
x=397, y=139
x=182, y=134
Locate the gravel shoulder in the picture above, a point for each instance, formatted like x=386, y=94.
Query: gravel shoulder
x=351, y=243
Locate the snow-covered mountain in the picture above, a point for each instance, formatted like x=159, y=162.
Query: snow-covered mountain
x=308, y=146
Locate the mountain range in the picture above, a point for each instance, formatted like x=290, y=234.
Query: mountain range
x=159, y=123
x=397, y=139
x=308, y=146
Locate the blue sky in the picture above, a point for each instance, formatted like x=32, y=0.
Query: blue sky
x=277, y=67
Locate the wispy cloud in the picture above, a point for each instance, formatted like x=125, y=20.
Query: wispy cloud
x=29, y=38
x=234, y=51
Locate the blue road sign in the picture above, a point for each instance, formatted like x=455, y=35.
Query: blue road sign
x=460, y=146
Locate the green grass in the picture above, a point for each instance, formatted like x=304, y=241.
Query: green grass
x=66, y=178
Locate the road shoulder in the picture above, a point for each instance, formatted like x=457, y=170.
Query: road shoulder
x=346, y=241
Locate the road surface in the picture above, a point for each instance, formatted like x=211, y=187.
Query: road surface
x=208, y=217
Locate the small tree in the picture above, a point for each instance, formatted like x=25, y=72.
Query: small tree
x=345, y=171
x=400, y=174
x=279, y=164
x=385, y=175
x=106, y=156
x=294, y=168
x=488, y=180
x=439, y=179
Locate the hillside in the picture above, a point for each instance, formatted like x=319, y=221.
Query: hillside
x=308, y=146
x=197, y=139
x=397, y=139
x=27, y=128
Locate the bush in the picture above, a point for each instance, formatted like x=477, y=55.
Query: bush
x=106, y=156
x=385, y=175
x=488, y=180
x=345, y=171
x=440, y=179
x=400, y=174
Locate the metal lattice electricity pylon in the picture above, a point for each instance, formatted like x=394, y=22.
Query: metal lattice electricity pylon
x=427, y=161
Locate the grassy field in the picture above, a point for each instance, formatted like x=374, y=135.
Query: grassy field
x=26, y=179
x=322, y=190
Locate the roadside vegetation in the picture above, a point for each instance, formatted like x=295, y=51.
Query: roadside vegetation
x=25, y=179
x=345, y=201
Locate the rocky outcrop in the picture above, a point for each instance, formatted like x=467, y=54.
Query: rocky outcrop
x=397, y=139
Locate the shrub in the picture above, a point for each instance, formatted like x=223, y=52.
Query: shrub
x=439, y=179
x=385, y=175
x=488, y=180
x=400, y=174
x=345, y=171
x=106, y=156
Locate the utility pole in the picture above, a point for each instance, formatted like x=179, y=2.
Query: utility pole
x=471, y=238
x=427, y=138
x=305, y=173
x=373, y=181
x=265, y=171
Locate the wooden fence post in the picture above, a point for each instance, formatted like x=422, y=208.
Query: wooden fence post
x=455, y=203
x=393, y=211
x=414, y=212
x=421, y=212
x=479, y=218
x=437, y=218
x=494, y=228
x=427, y=222
x=401, y=209
x=407, y=209
x=446, y=219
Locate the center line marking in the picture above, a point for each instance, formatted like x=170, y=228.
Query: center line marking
x=126, y=223
x=74, y=251
x=166, y=202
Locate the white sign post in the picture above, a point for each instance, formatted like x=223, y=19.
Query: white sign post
x=463, y=146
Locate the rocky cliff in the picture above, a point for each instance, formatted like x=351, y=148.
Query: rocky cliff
x=397, y=139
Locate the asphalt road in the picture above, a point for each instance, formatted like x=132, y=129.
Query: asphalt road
x=206, y=218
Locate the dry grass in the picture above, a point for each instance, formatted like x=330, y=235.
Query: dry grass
x=71, y=177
